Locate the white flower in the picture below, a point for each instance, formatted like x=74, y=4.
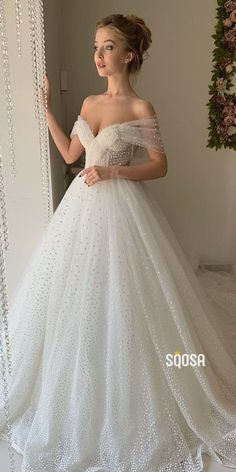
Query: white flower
x=232, y=130
x=229, y=68
x=221, y=86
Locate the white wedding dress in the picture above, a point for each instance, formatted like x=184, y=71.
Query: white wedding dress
x=108, y=293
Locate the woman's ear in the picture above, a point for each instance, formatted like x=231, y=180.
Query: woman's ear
x=129, y=56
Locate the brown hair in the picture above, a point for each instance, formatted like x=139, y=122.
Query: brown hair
x=134, y=32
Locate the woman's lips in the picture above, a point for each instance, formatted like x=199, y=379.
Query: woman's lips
x=101, y=65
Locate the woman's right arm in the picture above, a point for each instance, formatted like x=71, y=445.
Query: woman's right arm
x=70, y=149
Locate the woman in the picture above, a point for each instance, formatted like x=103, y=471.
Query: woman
x=109, y=305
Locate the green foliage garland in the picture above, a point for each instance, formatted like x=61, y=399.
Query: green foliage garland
x=222, y=104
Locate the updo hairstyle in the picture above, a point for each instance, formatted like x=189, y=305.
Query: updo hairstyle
x=134, y=33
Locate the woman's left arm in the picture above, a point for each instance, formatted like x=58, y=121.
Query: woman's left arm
x=155, y=168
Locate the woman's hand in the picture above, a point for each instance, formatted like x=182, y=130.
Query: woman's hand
x=96, y=173
x=47, y=97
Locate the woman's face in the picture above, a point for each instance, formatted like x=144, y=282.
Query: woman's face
x=109, y=52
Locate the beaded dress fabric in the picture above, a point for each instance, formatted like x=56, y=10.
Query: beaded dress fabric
x=107, y=294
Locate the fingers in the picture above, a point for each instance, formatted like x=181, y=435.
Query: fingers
x=89, y=173
x=87, y=183
x=91, y=182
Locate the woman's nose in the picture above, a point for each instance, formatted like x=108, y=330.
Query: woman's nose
x=99, y=52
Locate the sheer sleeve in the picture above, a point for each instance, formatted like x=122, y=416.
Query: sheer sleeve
x=143, y=132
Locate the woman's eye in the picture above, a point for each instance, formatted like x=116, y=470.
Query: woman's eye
x=95, y=47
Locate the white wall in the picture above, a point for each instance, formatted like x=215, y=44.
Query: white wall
x=198, y=195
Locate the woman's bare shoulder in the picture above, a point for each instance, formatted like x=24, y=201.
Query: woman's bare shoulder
x=143, y=108
x=88, y=102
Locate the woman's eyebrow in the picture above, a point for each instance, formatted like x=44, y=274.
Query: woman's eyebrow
x=107, y=40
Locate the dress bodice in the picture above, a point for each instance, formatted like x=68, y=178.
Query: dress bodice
x=117, y=143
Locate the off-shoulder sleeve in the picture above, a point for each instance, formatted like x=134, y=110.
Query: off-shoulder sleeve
x=143, y=132
x=74, y=130
x=82, y=130
x=76, y=127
